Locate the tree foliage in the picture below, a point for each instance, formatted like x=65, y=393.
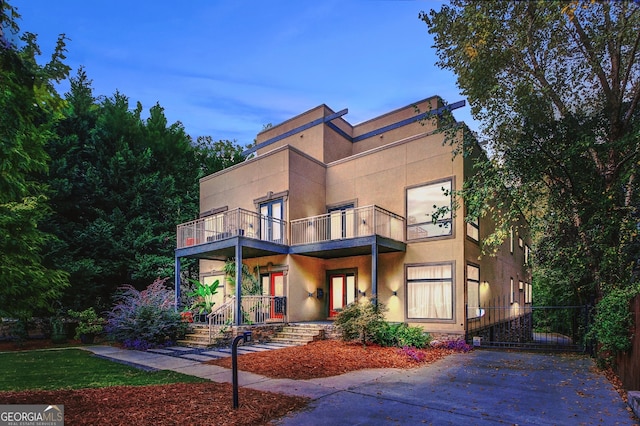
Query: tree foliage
x=119, y=186
x=556, y=86
x=29, y=105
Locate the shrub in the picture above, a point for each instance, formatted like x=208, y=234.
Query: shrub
x=412, y=336
x=612, y=323
x=144, y=319
x=88, y=322
x=360, y=320
x=400, y=335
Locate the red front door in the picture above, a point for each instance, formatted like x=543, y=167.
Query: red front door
x=276, y=288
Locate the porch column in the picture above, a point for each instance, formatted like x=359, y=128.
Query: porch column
x=238, y=313
x=177, y=283
x=374, y=271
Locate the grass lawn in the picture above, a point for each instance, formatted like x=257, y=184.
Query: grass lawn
x=75, y=369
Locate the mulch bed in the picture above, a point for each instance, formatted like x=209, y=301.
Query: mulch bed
x=188, y=404
x=211, y=403
x=326, y=358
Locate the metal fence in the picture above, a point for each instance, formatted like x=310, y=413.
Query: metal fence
x=544, y=328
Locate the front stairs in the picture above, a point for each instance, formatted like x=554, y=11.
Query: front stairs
x=290, y=334
x=299, y=334
x=198, y=337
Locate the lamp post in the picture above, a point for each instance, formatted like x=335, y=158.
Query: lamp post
x=245, y=337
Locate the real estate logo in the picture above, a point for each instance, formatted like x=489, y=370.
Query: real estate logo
x=31, y=415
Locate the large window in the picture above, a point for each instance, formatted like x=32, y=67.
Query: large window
x=422, y=203
x=473, y=292
x=430, y=291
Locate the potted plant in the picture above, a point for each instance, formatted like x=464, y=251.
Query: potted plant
x=89, y=324
x=203, y=294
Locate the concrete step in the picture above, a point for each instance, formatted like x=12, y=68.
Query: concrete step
x=300, y=330
x=195, y=343
x=289, y=342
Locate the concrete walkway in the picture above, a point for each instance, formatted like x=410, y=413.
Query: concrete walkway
x=479, y=388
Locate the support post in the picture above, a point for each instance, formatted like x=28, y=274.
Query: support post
x=238, y=311
x=374, y=271
x=177, y=283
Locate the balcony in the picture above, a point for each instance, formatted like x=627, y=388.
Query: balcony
x=341, y=233
x=345, y=224
x=232, y=223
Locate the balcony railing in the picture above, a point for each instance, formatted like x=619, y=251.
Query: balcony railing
x=230, y=224
x=350, y=223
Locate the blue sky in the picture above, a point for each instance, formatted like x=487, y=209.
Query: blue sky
x=226, y=68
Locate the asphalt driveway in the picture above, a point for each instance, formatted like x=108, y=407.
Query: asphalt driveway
x=481, y=388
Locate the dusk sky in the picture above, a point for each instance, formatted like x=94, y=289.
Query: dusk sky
x=227, y=68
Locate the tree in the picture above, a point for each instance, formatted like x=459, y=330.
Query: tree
x=556, y=85
x=29, y=105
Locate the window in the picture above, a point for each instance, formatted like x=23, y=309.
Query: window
x=271, y=223
x=528, y=296
x=422, y=203
x=511, y=240
x=511, y=293
x=473, y=292
x=520, y=243
x=473, y=229
x=430, y=291
x=527, y=251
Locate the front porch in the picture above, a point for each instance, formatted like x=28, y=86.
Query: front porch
x=242, y=234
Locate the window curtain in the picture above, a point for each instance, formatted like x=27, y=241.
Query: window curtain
x=430, y=292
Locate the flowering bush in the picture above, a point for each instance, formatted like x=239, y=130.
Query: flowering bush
x=145, y=319
x=412, y=353
x=456, y=345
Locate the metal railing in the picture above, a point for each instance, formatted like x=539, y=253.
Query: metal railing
x=230, y=224
x=551, y=328
x=263, y=309
x=350, y=223
x=255, y=310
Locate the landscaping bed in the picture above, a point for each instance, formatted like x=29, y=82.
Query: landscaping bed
x=326, y=358
x=211, y=403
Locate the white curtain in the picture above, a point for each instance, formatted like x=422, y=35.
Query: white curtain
x=430, y=291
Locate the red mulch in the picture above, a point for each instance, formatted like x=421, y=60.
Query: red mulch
x=182, y=403
x=326, y=358
x=211, y=403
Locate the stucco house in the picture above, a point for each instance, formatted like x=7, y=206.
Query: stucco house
x=327, y=212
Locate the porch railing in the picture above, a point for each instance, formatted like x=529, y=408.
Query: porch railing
x=350, y=223
x=230, y=224
x=255, y=310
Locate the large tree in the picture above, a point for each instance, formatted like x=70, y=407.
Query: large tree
x=556, y=85
x=29, y=106
x=119, y=184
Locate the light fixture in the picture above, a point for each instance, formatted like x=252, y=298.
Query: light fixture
x=310, y=294
x=394, y=292
x=362, y=293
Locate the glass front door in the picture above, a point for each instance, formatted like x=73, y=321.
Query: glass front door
x=342, y=291
x=271, y=225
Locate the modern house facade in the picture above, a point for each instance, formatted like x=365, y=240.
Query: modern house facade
x=328, y=213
